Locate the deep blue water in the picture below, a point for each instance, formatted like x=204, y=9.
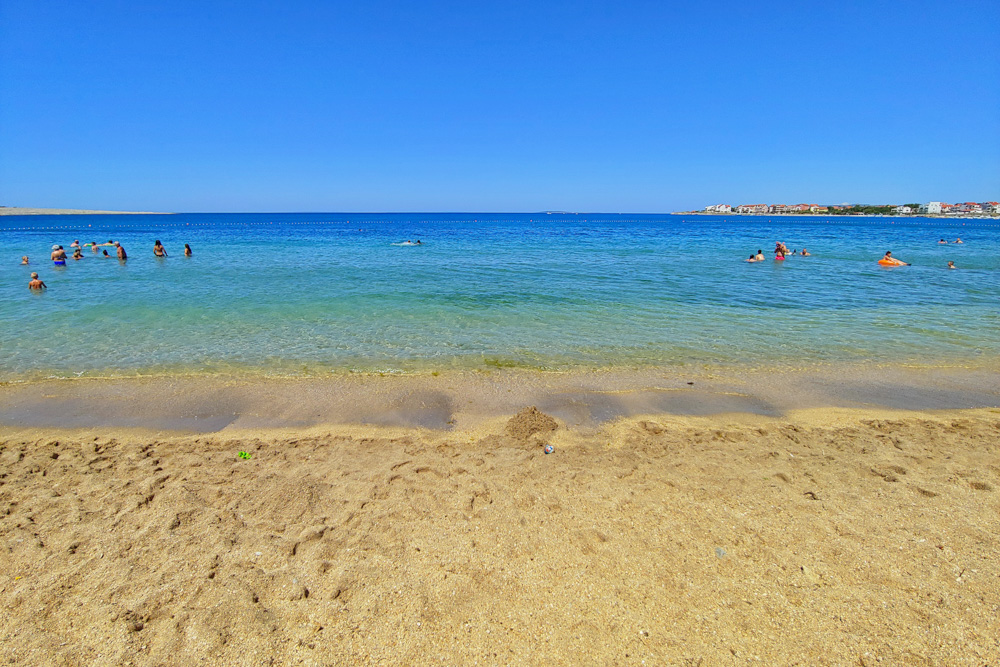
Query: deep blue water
x=314, y=293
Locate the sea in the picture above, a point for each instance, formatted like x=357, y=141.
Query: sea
x=309, y=294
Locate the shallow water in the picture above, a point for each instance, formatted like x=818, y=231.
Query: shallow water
x=318, y=293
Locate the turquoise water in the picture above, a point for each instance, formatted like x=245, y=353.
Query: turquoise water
x=319, y=293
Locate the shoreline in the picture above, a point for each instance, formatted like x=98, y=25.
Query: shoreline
x=584, y=400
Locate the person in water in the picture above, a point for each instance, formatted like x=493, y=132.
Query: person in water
x=24, y=260
x=75, y=243
x=958, y=240
x=889, y=259
x=36, y=283
x=951, y=265
x=58, y=255
x=804, y=253
x=753, y=258
x=760, y=255
x=158, y=249
x=187, y=250
x=122, y=255
x=78, y=254
x=942, y=241
x=106, y=254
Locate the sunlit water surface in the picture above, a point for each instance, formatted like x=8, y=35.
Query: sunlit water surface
x=319, y=293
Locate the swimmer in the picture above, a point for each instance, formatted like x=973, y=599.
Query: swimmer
x=106, y=254
x=889, y=259
x=75, y=243
x=122, y=255
x=753, y=258
x=951, y=265
x=36, y=283
x=942, y=241
x=94, y=246
x=805, y=253
x=158, y=249
x=24, y=260
x=58, y=255
x=760, y=255
x=187, y=250
x=78, y=254
x=958, y=240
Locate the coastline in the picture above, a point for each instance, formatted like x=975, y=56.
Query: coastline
x=18, y=210
x=584, y=399
x=829, y=216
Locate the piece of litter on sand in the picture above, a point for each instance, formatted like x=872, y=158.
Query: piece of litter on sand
x=720, y=552
x=549, y=449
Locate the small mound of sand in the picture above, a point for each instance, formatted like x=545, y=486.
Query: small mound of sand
x=528, y=422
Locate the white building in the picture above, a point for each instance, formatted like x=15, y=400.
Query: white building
x=931, y=207
x=753, y=209
x=719, y=208
x=902, y=210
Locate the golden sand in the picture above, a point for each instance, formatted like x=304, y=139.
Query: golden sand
x=819, y=537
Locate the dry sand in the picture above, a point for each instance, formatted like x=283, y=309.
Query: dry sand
x=820, y=537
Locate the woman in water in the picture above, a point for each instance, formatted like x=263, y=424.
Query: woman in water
x=951, y=265
x=187, y=250
x=753, y=258
x=159, y=250
x=889, y=259
x=24, y=260
x=78, y=254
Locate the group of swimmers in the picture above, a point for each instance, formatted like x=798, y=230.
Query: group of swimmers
x=59, y=256
x=780, y=252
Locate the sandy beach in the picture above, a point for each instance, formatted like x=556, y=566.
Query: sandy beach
x=419, y=531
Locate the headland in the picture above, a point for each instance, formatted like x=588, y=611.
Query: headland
x=19, y=210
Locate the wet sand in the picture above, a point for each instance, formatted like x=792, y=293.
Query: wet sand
x=418, y=520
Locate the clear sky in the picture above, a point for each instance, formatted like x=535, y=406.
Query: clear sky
x=382, y=105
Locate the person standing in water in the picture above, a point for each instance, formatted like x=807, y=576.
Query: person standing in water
x=122, y=255
x=36, y=283
x=158, y=249
x=58, y=255
x=187, y=250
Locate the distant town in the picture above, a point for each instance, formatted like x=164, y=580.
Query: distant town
x=988, y=208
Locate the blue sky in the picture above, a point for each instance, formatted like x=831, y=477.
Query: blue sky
x=514, y=106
